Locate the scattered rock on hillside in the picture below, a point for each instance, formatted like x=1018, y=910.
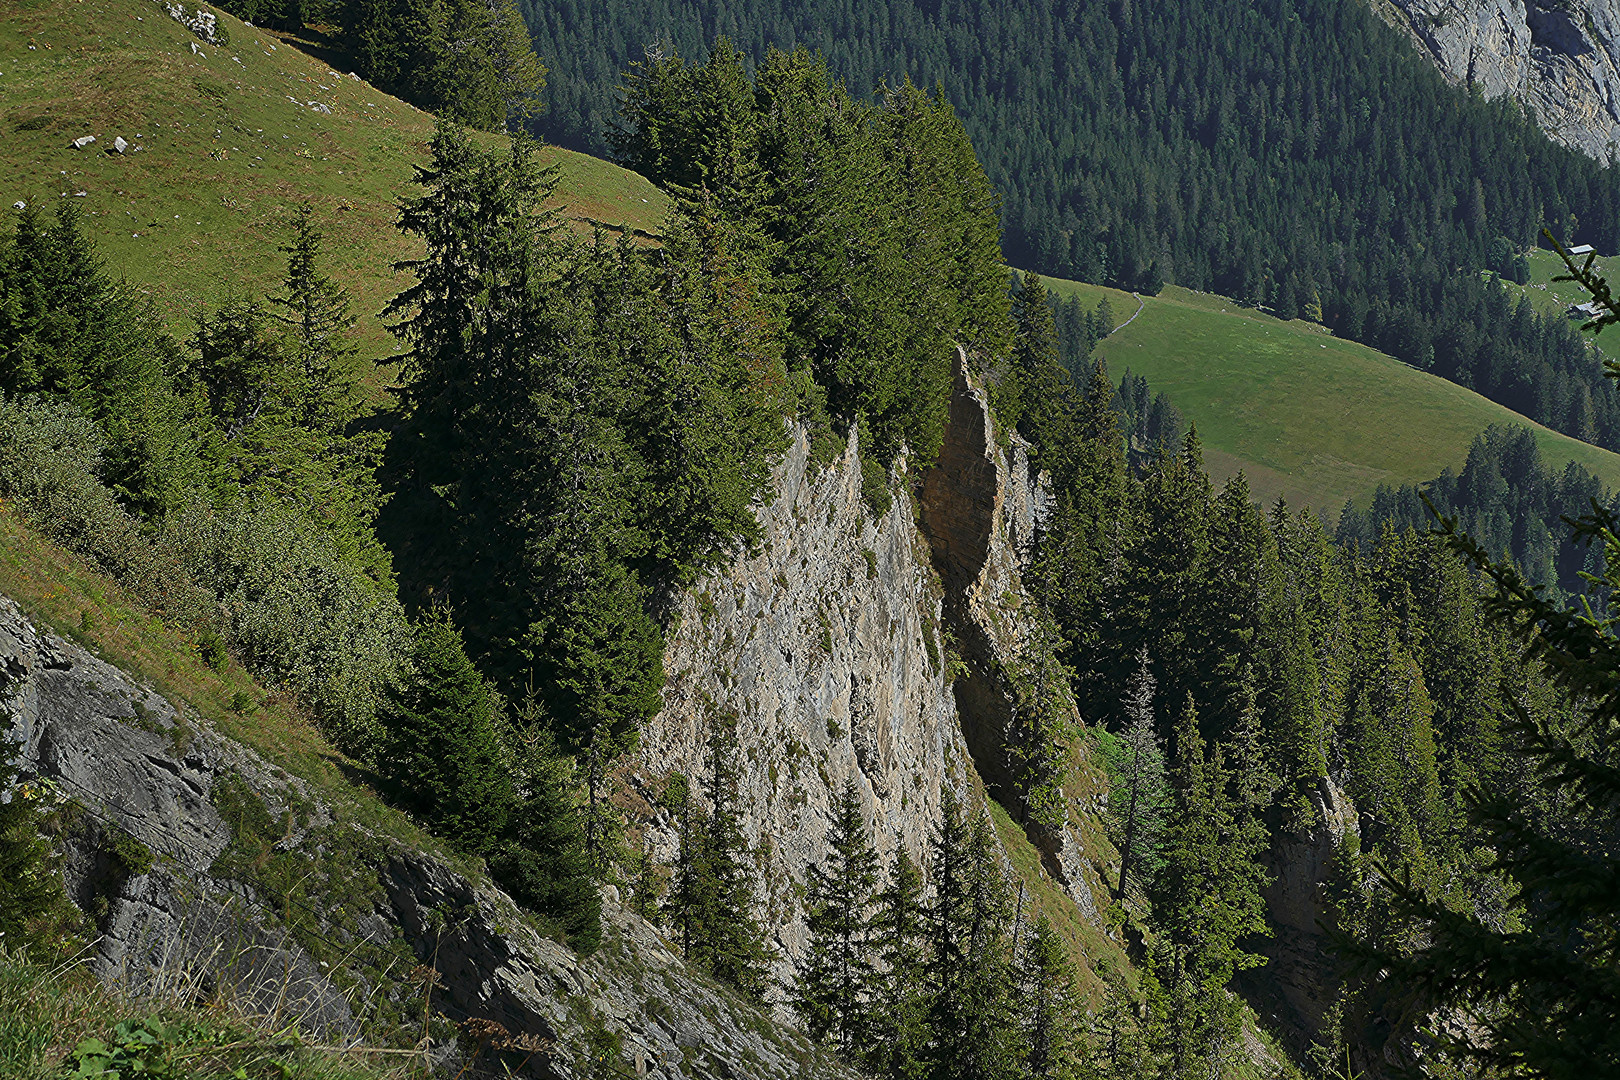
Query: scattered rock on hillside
x=205, y=24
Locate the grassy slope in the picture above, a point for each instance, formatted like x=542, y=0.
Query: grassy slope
x=1554, y=297
x=199, y=211
x=1307, y=416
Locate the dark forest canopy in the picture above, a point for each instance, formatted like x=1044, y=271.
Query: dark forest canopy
x=1296, y=155
x=1509, y=500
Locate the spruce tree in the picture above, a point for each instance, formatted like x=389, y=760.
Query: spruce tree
x=1048, y=1008
x=541, y=856
x=836, y=975
x=1206, y=901
x=897, y=1020
x=969, y=972
x=316, y=312
x=712, y=897
x=1136, y=801
x=444, y=758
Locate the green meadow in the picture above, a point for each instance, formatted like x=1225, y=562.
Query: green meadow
x=230, y=140
x=1307, y=417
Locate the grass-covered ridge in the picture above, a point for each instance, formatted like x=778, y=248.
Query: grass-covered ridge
x=226, y=153
x=1305, y=415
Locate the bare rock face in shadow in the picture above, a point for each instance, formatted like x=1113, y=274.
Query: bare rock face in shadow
x=1562, y=63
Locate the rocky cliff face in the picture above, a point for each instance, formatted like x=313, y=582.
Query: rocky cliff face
x=1299, y=982
x=1561, y=58
x=835, y=645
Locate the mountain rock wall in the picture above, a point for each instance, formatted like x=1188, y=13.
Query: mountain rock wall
x=851, y=646
x=1561, y=58
x=848, y=646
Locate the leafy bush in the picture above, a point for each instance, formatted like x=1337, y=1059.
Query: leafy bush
x=296, y=612
x=257, y=578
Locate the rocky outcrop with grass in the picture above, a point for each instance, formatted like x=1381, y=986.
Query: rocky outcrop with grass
x=877, y=647
x=1561, y=59
x=203, y=871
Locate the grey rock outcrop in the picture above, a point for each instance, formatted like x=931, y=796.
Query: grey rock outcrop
x=1300, y=980
x=829, y=645
x=138, y=767
x=1560, y=59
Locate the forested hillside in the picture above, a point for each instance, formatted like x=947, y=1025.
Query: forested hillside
x=1298, y=156
x=470, y=587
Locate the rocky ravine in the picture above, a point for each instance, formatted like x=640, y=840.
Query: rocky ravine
x=1561, y=58
x=832, y=644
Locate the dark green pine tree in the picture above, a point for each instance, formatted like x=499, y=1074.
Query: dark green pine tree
x=541, y=857
x=1206, y=901
x=1136, y=803
x=1049, y=1011
x=897, y=1018
x=712, y=897
x=444, y=758
x=315, y=311
x=969, y=971
x=463, y=467
x=1544, y=994
x=836, y=976
x=1034, y=393
x=323, y=398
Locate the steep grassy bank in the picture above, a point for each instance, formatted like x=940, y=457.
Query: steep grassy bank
x=230, y=139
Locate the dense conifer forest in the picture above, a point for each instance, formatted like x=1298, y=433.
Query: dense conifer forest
x=469, y=584
x=1295, y=155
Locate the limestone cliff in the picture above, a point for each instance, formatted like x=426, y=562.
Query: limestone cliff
x=858, y=646
x=1561, y=58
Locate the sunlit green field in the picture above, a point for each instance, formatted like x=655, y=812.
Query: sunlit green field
x=1308, y=417
x=230, y=139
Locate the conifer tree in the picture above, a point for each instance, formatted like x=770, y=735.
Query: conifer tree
x=322, y=396
x=1123, y=1033
x=444, y=756
x=1051, y=1041
x=541, y=857
x=712, y=896
x=1206, y=900
x=316, y=311
x=836, y=976
x=897, y=1020
x=1135, y=804
x=969, y=973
